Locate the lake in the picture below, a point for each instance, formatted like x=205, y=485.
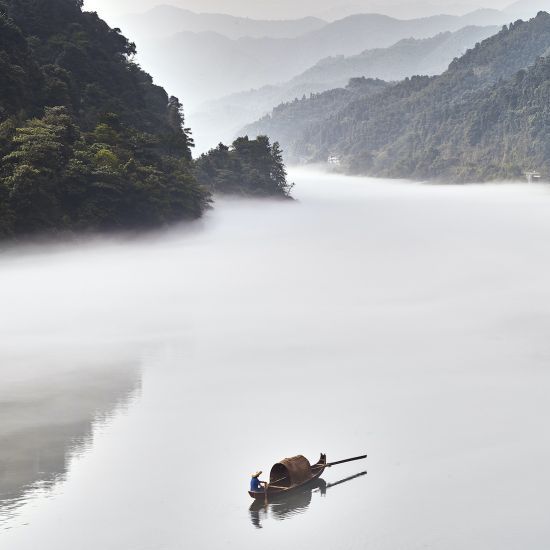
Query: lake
x=143, y=378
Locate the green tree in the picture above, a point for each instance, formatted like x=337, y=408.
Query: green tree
x=248, y=167
x=43, y=147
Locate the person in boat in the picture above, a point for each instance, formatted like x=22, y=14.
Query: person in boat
x=257, y=486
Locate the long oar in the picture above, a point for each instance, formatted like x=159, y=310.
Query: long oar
x=341, y=461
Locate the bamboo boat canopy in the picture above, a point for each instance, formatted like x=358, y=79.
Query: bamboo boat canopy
x=291, y=471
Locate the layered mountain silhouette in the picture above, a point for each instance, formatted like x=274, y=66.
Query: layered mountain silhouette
x=332, y=10
x=169, y=20
x=486, y=117
x=406, y=58
x=200, y=66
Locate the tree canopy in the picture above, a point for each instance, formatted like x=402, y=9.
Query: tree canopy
x=250, y=167
x=87, y=141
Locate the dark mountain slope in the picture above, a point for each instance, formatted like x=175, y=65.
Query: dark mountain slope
x=87, y=141
x=20, y=75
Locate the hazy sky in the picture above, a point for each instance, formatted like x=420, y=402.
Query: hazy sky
x=298, y=8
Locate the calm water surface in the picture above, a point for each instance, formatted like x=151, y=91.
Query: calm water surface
x=143, y=379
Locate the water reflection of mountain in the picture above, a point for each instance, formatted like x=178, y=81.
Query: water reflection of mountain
x=297, y=502
x=44, y=422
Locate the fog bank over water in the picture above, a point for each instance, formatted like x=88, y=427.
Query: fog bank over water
x=408, y=321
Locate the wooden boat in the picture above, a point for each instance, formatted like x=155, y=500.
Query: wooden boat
x=291, y=473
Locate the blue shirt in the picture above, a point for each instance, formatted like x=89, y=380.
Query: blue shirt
x=255, y=486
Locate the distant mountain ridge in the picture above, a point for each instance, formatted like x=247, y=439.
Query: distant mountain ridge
x=329, y=10
x=207, y=65
x=168, y=20
x=406, y=58
x=486, y=117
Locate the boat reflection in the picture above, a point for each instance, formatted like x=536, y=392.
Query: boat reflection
x=295, y=503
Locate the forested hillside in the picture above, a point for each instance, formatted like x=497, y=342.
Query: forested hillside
x=447, y=126
x=87, y=141
x=496, y=133
x=292, y=119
